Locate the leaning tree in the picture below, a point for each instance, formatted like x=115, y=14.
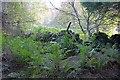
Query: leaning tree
x=93, y=14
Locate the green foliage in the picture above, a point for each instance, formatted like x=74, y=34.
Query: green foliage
x=68, y=45
x=62, y=57
x=15, y=75
x=44, y=29
x=26, y=13
x=108, y=11
x=53, y=59
x=94, y=6
x=84, y=50
x=50, y=58
x=67, y=41
x=26, y=50
x=100, y=38
x=110, y=54
x=0, y=42
x=91, y=58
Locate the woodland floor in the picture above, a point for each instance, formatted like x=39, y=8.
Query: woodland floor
x=110, y=70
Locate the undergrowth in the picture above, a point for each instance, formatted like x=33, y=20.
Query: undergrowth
x=50, y=60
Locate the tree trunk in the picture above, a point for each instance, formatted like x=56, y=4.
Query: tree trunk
x=88, y=25
x=72, y=4
x=118, y=27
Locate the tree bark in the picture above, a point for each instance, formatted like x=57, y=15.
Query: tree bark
x=88, y=25
x=72, y=4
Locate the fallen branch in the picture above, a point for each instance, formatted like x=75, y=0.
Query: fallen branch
x=70, y=32
x=69, y=26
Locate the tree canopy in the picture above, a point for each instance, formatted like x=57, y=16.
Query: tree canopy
x=103, y=7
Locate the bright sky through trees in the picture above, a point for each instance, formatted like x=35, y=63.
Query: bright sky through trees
x=56, y=3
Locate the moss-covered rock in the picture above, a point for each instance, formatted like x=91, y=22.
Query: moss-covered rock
x=100, y=38
x=115, y=39
x=66, y=39
x=47, y=37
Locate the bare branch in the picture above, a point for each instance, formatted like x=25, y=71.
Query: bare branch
x=95, y=26
x=63, y=11
x=73, y=6
x=77, y=16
